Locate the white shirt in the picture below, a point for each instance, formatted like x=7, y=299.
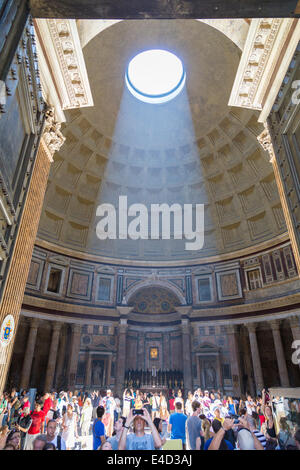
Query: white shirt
x=62, y=445
x=250, y=407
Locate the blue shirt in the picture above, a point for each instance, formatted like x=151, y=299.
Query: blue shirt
x=207, y=444
x=98, y=431
x=178, y=426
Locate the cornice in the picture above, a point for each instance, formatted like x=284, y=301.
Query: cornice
x=63, y=71
x=289, y=300
x=268, y=44
x=249, y=251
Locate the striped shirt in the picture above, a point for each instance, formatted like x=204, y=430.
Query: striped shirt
x=261, y=437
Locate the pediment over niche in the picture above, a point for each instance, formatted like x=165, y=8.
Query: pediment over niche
x=103, y=347
x=207, y=348
x=203, y=270
x=105, y=270
x=59, y=260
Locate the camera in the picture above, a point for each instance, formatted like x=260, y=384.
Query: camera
x=234, y=417
x=138, y=412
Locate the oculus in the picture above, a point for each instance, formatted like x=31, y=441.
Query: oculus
x=155, y=76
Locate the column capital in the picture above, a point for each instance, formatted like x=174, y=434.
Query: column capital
x=275, y=324
x=34, y=322
x=184, y=311
x=294, y=321
x=76, y=328
x=56, y=325
x=124, y=311
x=52, y=136
x=251, y=327
x=266, y=142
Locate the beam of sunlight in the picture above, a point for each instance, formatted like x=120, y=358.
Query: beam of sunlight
x=154, y=159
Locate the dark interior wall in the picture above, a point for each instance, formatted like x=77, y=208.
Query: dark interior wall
x=139, y=9
x=268, y=357
x=21, y=120
x=169, y=348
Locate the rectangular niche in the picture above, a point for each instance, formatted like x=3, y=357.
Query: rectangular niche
x=35, y=274
x=229, y=285
x=227, y=377
x=80, y=284
x=55, y=279
x=104, y=288
x=204, y=289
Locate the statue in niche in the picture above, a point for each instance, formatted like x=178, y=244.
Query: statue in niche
x=210, y=377
x=97, y=373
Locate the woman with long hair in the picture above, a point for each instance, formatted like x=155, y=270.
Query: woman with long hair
x=3, y=436
x=188, y=404
x=231, y=406
x=138, y=403
x=69, y=426
x=158, y=423
x=127, y=397
x=270, y=423
x=86, y=417
x=163, y=408
x=206, y=427
x=285, y=437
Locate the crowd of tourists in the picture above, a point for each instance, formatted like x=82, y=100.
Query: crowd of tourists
x=205, y=420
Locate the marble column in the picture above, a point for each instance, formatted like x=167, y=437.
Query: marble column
x=52, y=356
x=198, y=370
x=108, y=376
x=88, y=371
x=141, y=351
x=282, y=165
x=282, y=368
x=30, y=347
x=121, y=351
x=219, y=372
x=121, y=357
x=259, y=381
x=60, y=376
x=232, y=332
x=247, y=363
x=166, y=351
x=74, y=355
x=186, y=356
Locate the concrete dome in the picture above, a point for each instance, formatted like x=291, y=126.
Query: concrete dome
x=194, y=149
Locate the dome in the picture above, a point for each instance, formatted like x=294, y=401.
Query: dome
x=192, y=150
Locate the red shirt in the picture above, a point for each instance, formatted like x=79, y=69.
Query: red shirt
x=47, y=405
x=37, y=421
x=171, y=403
x=262, y=419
